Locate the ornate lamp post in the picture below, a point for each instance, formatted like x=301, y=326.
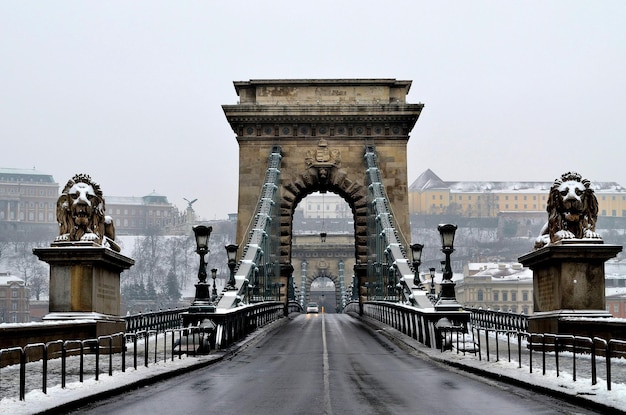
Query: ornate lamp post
x=432, y=281
x=214, y=291
x=391, y=280
x=231, y=254
x=202, y=300
x=447, y=297
x=416, y=254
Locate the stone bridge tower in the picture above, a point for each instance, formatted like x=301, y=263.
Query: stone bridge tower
x=322, y=128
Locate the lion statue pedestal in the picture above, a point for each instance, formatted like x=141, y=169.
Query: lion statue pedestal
x=85, y=263
x=568, y=281
x=568, y=262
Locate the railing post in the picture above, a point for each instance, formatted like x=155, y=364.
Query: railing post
x=609, y=351
x=97, y=359
x=44, y=369
x=63, y=364
x=22, y=374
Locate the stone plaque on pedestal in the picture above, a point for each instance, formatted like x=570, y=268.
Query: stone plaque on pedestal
x=84, y=280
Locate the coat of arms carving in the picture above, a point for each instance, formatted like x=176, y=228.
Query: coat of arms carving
x=323, y=159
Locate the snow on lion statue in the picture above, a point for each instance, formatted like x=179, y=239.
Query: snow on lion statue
x=572, y=211
x=80, y=214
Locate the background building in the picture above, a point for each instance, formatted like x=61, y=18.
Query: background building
x=325, y=205
x=505, y=287
x=27, y=202
x=429, y=195
x=615, y=282
x=136, y=215
x=14, y=299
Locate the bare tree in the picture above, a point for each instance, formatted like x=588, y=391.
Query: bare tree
x=24, y=262
x=39, y=282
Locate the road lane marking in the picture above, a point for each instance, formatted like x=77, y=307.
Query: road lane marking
x=327, y=407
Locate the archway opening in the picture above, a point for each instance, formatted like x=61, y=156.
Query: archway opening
x=323, y=292
x=323, y=270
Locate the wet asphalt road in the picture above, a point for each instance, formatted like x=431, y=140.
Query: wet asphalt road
x=329, y=364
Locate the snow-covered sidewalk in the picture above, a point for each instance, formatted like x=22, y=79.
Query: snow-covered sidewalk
x=563, y=385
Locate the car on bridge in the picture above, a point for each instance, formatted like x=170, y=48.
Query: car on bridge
x=312, y=308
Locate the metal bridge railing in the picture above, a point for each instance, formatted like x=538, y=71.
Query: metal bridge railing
x=498, y=320
x=427, y=326
x=154, y=320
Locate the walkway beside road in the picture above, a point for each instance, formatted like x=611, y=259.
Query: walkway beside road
x=581, y=390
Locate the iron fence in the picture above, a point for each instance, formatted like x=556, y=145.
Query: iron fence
x=498, y=320
x=154, y=320
x=557, y=352
x=76, y=359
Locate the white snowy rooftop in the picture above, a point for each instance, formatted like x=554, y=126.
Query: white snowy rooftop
x=500, y=271
x=429, y=180
x=6, y=279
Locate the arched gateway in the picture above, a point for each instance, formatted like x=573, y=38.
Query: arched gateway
x=322, y=128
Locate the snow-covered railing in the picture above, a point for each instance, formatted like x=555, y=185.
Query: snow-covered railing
x=497, y=320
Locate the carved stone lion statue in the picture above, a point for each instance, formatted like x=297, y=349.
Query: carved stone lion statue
x=572, y=211
x=80, y=214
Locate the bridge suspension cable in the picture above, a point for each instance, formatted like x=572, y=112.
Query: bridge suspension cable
x=389, y=246
x=260, y=251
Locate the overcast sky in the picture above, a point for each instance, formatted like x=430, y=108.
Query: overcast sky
x=130, y=92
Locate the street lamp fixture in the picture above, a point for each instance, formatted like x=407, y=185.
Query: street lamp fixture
x=202, y=234
x=202, y=300
x=231, y=254
x=447, y=232
x=416, y=254
x=323, y=236
x=447, y=297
